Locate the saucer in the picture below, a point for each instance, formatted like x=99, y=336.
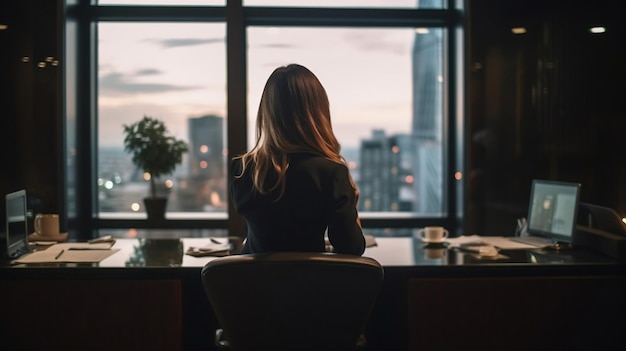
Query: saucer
x=60, y=237
x=438, y=244
x=427, y=241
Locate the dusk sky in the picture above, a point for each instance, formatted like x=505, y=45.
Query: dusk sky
x=175, y=71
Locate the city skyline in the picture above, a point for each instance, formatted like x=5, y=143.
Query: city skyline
x=366, y=73
x=379, y=88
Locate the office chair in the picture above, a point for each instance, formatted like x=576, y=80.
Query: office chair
x=292, y=301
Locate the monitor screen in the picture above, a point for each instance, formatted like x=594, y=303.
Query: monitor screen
x=553, y=209
x=16, y=223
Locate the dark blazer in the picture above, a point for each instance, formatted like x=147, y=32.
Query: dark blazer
x=318, y=196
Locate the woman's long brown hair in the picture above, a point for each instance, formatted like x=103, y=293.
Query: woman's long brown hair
x=293, y=116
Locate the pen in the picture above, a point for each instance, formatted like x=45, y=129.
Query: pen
x=59, y=254
x=215, y=241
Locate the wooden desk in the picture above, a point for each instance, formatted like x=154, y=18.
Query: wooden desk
x=149, y=296
x=534, y=300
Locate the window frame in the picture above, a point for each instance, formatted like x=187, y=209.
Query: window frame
x=84, y=75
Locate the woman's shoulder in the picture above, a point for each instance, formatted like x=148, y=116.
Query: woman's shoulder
x=236, y=163
x=312, y=161
x=296, y=161
x=237, y=166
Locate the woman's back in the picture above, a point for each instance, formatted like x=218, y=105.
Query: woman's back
x=294, y=184
x=317, y=195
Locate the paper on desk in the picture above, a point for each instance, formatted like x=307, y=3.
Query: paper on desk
x=70, y=253
x=500, y=242
x=212, y=248
x=370, y=241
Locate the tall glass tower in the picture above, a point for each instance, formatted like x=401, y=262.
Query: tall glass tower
x=427, y=131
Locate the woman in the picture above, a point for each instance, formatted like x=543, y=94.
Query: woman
x=293, y=185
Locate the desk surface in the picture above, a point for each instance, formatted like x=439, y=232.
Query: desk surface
x=390, y=252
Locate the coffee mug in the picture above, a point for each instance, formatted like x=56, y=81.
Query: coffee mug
x=433, y=234
x=46, y=224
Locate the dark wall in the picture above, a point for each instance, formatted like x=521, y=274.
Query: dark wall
x=546, y=104
x=31, y=103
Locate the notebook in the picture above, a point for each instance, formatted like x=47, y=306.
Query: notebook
x=552, y=213
x=17, y=225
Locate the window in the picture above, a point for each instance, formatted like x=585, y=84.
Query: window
x=391, y=77
x=386, y=105
x=349, y=3
x=162, y=2
x=175, y=72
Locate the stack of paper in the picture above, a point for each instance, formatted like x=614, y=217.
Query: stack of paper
x=213, y=248
x=70, y=253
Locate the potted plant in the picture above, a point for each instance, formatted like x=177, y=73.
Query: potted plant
x=156, y=153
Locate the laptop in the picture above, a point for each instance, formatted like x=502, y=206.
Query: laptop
x=552, y=213
x=16, y=224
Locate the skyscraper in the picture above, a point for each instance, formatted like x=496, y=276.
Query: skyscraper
x=205, y=185
x=405, y=172
x=427, y=132
x=206, y=152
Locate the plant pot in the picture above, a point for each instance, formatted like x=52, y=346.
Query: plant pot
x=155, y=207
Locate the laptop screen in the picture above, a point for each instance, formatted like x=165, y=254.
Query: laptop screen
x=553, y=209
x=17, y=226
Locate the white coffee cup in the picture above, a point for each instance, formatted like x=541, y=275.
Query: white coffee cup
x=433, y=234
x=46, y=224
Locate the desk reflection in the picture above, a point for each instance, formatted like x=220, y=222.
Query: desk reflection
x=161, y=252
x=156, y=253
x=390, y=252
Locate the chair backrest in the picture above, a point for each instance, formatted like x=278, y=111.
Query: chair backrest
x=292, y=301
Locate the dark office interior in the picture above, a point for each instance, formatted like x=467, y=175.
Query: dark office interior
x=544, y=105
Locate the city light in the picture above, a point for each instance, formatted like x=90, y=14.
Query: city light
x=215, y=198
x=597, y=30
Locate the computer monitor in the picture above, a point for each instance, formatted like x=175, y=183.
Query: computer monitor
x=16, y=224
x=553, y=209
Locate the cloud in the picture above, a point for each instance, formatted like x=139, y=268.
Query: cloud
x=148, y=72
x=173, y=43
x=111, y=132
x=278, y=46
x=117, y=83
x=376, y=41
